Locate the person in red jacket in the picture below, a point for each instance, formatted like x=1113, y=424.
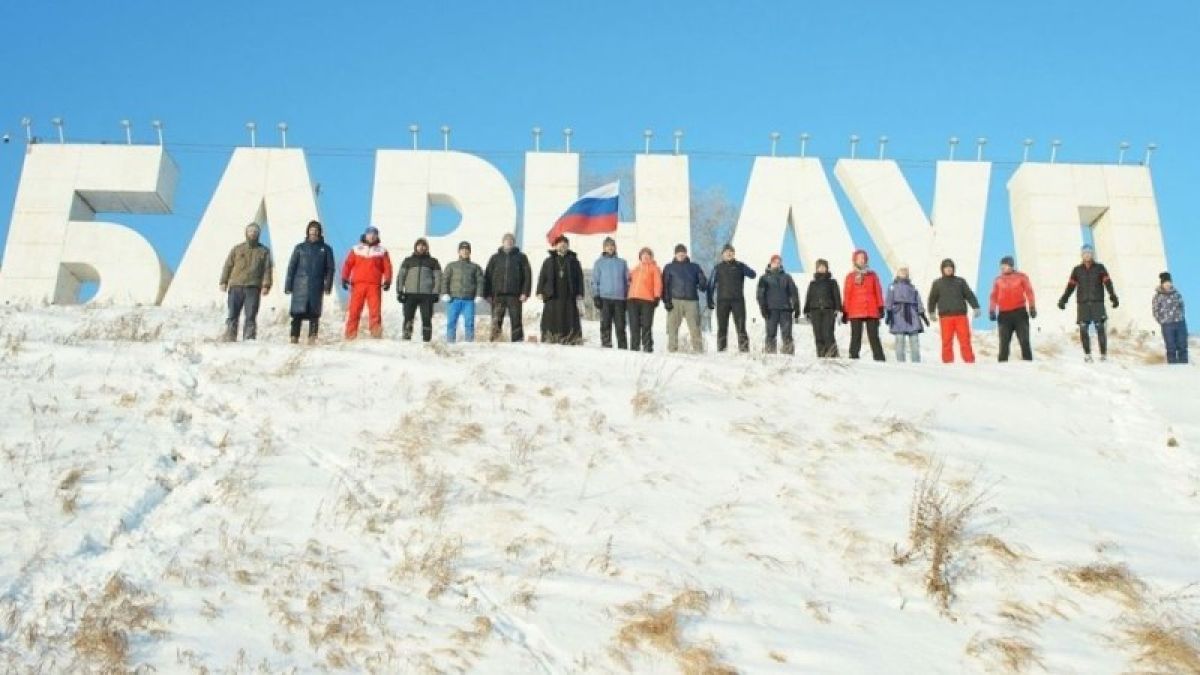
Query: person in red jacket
x=367, y=269
x=862, y=306
x=1012, y=306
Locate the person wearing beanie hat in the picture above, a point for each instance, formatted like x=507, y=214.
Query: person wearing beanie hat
x=1169, y=313
x=417, y=286
x=560, y=287
x=822, y=304
x=862, y=306
x=1011, y=305
x=610, y=288
x=507, y=283
x=728, y=282
x=245, y=278
x=949, y=298
x=779, y=303
x=462, y=283
x=905, y=316
x=1089, y=279
x=366, y=271
x=683, y=282
x=309, y=278
x=645, y=290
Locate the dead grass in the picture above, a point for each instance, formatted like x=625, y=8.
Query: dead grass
x=997, y=547
x=436, y=564
x=68, y=490
x=102, y=638
x=1111, y=579
x=660, y=628
x=1013, y=653
x=647, y=396
x=469, y=433
x=938, y=521
x=1166, y=646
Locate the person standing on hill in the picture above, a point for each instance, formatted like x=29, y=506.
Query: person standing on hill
x=727, y=283
x=462, y=283
x=1011, y=305
x=905, y=315
x=645, y=290
x=949, y=298
x=246, y=277
x=560, y=288
x=779, y=303
x=1169, y=313
x=1091, y=280
x=309, y=278
x=683, y=282
x=367, y=269
x=507, y=281
x=822, y=303
x=610, y=288
x=862, y=306
x=417, y=285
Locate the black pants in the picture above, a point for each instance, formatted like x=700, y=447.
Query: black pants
x=314, y=323
x=242, y=299
x=411, y=304
x=779, y=321
x=507, y=305
x=1101, y=338
x=737, y=307
x=612, y=314
x=1015, y=321
x=823, y=322
x=856, y=331
x=641, y=321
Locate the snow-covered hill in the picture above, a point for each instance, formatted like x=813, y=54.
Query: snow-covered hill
x=172, y=503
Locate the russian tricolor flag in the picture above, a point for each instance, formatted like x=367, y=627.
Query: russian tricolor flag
x=594, y=213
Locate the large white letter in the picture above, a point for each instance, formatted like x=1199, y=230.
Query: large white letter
x=54, y=244
x=897, y=223
x=268, y=186
x=1051, y=203
x=661, y=199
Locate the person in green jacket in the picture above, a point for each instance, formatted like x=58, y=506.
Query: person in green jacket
x=245, y=278
x=462, y=283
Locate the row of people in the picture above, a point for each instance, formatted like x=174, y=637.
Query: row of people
x=626, y=299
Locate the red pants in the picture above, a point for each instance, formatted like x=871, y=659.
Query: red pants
x=960, y=327
x=360, y=293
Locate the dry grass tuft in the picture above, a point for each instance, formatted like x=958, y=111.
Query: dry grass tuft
x=938, y=522
x=647, y=398
x=102, y=637
x=997, y=547
x=436, y=564
x=469, y=433
x=1167, y=647
x=1108, y=579
x=1013, y=653
x=660, y=628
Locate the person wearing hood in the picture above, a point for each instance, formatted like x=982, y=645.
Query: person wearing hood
x=949, y=298
x=610, y=288
x=367, y=270
x=245, y=278
x=1168, y=312
x=1012, y=305
x=779, y=303
x=417, y=285
x=560, y=288
x=1091, y=280
x=822, y=303
x=309, y=278
x=461, y=284
x=683, y=282
x=645, y=290
x=905, y=315
x=507, y=281
x=728, y=282
x=862, y=306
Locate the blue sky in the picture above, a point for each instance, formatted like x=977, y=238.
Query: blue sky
x=354, y=75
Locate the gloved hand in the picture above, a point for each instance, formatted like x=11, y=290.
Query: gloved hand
x=1062, y=304
x=764, y=312
x=287, y=291
x=446, y=297
x=991, y=316
x=883, y=313
x=387, y=286
x=401, y=297
x=887, y=318
x=596, y=302
x=224, y=287
x=667, y=305
x=345, y=284
x=1033, y=312
x=1115, y=302
x=796, y=316
x=844, y=319
x=711, y=306
x=933, y=316
x=975, y=313
x=925, y=320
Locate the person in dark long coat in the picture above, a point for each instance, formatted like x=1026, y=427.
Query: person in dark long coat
x=309, y=278
x=560, y=287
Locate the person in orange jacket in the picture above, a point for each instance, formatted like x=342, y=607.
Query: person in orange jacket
x=367, y=269
x=862, y=306
x=645, y=290
x=1012, y=306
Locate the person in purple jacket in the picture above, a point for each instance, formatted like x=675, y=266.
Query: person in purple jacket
x=905, y=315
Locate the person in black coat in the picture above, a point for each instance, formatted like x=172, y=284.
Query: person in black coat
x=727, y=283
x=506, y=284
x=417, y=284
x=309, y=278
x=560, y=287
x=822, y=302
x=779, y=303
x=1089, y=280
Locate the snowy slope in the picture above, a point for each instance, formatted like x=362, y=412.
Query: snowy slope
x=172, y=502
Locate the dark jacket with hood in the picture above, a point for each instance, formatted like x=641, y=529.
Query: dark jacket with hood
x=309, y=277
x=507, y=273
x=777, y=291
x=951, y=295
x=683, y=281
x=823, y=293
x=728, y=280
x=420, y=273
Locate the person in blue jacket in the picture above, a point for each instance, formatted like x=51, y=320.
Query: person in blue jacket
x=610, y=287
x=728, y=284
x=309, y=278
x=683, y=282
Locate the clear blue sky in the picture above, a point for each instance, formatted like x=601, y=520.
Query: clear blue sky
x=354, y=75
